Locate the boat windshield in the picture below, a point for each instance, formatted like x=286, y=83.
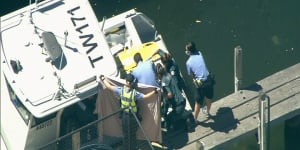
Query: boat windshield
x=144, y=27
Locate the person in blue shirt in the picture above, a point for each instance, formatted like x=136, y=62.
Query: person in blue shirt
x=204, y=82
x=129, y=98
x=144, y=71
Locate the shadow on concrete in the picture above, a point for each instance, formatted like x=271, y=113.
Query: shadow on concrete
x=223, y=121
x=176, y=138
x=254, y=87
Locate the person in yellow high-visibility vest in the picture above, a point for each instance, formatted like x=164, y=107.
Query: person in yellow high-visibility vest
x=129, y=97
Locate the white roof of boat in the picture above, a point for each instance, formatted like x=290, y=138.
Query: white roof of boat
x=85, y=54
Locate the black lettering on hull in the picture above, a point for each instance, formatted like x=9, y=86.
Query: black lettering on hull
x=92, y=61
x=71, y=11
x=44, y=125
x=86, y=43
x=80, y=23
x=74, y=20
x=79, y=29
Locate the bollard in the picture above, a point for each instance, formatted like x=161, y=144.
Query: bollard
x=238, y=67
x=199, y=145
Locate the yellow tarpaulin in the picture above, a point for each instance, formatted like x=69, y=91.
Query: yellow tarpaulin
x=146, y=50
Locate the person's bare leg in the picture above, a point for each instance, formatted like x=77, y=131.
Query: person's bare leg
x=208, y=104
x=196, y=110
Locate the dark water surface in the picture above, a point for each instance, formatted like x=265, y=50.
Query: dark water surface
x=267, y=30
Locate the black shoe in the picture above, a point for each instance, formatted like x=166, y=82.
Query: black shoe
x=197, y=122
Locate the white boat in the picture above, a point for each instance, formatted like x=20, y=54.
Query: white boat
x=131, y=32
x=52, y=53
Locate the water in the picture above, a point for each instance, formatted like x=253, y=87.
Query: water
x=267, y=30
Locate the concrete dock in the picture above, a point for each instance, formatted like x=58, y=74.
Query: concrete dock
x=236, y=115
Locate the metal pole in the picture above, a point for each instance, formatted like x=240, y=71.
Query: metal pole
x=264, y=115
x=199, y=145
x=103, y=22
x=141, y=127
x=238, y=67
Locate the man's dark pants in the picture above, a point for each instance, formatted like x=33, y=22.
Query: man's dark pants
x=129, y=127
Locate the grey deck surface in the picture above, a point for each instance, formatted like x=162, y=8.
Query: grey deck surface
x=236, y=115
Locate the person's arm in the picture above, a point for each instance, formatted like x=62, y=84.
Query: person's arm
x=155, y=91
x=106, y=83
x=169, y=94
x=159, y=52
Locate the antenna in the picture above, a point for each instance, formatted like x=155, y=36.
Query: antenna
x=29, y=13
x=66, y=35
x=103, y=22
x=61, y=89
x=60, y=92
x=55, y=53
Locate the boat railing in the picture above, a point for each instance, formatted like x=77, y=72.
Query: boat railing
x=93, y=135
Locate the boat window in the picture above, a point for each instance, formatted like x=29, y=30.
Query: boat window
x=25, y=114
x=116, y=35
x=145, y=28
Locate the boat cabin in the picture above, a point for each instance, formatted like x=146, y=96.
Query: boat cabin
x=52, y=53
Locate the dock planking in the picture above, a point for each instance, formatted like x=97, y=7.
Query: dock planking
x=236, y=115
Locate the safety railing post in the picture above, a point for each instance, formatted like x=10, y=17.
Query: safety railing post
x=238, y=68
x=141, y=127
x=264, y=121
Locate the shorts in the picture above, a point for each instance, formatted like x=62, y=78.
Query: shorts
x=204, y=91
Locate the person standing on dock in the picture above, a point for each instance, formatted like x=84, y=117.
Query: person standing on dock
x=203, y=81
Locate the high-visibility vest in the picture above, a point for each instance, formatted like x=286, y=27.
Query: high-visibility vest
x=127, y=99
